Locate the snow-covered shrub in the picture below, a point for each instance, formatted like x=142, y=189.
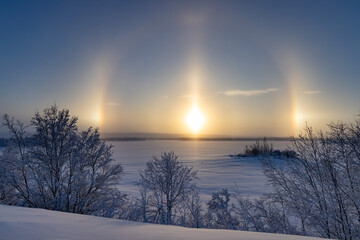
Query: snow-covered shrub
x=265, y=214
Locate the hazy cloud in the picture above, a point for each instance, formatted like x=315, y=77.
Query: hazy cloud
x=312, y=92
x=248, y=93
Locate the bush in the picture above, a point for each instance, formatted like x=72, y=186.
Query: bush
x=262, y=148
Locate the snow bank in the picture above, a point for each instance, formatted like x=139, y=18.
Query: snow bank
x=37, y=224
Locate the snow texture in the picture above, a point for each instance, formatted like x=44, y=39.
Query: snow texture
x=216, y=170
x=37, y=224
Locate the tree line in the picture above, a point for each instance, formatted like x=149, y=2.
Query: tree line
x=315, y=190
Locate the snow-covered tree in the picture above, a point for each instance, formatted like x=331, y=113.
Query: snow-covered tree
x=15, y=167
x=193, y=205
x=320, y=187
x=61, y=168
x=166, y=179
x=221, y=211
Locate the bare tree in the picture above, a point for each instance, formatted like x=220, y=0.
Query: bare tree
x=166, y=179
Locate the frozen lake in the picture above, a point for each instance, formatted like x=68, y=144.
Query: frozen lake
x=210, y=158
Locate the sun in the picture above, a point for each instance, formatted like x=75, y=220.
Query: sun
x=195, y=119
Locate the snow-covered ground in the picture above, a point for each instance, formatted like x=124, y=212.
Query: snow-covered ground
x=18, y=223
x=210, y=158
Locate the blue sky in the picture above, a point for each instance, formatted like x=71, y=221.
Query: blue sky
x=254, y=68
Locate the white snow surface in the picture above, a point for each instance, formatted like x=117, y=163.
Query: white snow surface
x=17, y=223
x=211, y=159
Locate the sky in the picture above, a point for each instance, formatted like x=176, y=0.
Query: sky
x=249, y=68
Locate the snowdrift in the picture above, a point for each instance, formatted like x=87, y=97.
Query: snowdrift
x=38, y=224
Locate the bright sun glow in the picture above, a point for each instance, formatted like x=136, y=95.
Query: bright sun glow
x=97, y=116
x=299, y=118
x=195, y=119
